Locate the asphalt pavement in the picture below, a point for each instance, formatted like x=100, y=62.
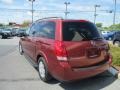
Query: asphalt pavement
x=16, y=73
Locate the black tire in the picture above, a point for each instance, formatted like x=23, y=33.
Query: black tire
x=20, y=49
x=45, y=76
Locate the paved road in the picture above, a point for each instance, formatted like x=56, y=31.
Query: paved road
x=16, y=73
x=8, y=45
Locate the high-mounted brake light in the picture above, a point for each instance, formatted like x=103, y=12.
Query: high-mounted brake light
x=60, y=51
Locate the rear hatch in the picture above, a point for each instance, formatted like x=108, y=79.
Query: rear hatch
x=84, y=44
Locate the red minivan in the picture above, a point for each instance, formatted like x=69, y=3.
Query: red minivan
x=66, y=49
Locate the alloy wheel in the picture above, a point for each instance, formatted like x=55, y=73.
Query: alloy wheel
x=42, y=69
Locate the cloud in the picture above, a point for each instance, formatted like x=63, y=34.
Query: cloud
x=104, y=14
x=7, y=1
x=111, y=1
x=35, y=14
x=81, y=8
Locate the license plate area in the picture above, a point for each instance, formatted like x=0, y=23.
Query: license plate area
x=93, y=52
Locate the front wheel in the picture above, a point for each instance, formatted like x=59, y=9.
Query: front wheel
x=43, y=71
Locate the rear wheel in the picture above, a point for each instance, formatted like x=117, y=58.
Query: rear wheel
x=1, y=36
x=43, y=71
x=20, y=49
x=117, y=43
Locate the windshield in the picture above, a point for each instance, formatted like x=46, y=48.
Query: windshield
x=21, y=30
x=7, y=30
x=79, y=31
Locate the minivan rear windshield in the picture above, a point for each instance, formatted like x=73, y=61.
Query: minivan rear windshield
x=79, y=31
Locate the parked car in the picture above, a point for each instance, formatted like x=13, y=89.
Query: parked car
x=21, y=32
x=14, y=32
x=65, y=49
x=108, y=35
x=116, y=40
x=0, y=33
x=5, y=33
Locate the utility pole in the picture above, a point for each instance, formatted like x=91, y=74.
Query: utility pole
x=32, y=10
x=114, y=17
x=66, y=9
x=95, y=14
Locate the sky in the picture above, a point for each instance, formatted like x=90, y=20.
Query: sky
x=57, y=8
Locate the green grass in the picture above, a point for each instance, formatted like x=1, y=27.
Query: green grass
x=115, y=51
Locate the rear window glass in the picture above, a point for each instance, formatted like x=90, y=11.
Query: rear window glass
x=79, y=31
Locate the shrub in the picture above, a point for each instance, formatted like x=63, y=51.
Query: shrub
x=115, y=51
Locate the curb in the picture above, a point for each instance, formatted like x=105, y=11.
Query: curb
x=114, y=72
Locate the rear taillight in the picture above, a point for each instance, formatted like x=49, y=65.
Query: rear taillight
x=60, y=51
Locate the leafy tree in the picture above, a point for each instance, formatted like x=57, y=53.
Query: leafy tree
x=115, y=27
x=99, y=25
x=26, y=23
x=105, y=28
x=112, y=27
x=1, y=25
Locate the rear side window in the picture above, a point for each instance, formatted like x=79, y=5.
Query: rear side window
x=45, y=29
x=79, y=31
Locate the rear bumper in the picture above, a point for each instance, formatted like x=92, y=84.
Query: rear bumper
x=66, y=73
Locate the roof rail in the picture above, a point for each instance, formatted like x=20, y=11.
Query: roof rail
x=51, y=18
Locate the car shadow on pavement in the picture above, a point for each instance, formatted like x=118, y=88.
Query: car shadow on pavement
x=8, y=38
x=95, y=83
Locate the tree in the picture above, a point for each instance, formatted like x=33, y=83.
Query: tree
x=99, y=25
x=115, y=27
x=105, y=28
x=1, y=25
x=26, y=23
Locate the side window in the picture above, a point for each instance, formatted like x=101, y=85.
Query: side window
x=32, y=30
x=38, y=28
x=46, y=29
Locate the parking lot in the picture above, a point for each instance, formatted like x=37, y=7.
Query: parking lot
x=16, y=73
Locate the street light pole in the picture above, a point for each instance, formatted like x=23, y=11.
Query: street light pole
x=114, y=17
x=66, y=9
x=32, y=10
x=95, y=14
